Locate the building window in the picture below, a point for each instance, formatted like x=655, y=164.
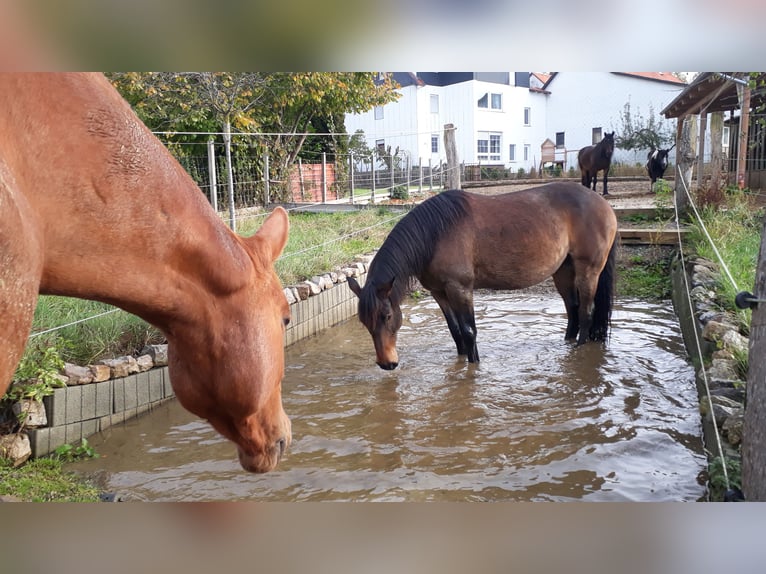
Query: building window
x=434, y=144
x=512, y=152
x=495, y=101
x=488, y=146
x=494, y=147
x=482, y=147
x=559, y=140
x=527, y=116
x=725, y=136
x=378, y=112
x=526, y=152
x=381, y=145
x=597, y=136
x=434, y=103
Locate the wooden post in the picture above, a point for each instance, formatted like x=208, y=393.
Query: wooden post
x=351, y=176
x=716, y=150
x=212, y=175
x=701, y=156
x=754, y=430
x=744, y=124
x=685, y=157
x=453, y=165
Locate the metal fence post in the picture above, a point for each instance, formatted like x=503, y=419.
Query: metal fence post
x=230, y=175
x=430, y=175
x=324, y=177
x=212, y=175
x=266, y=178
x=300, y=178
x=372, y=165
x=351, y=175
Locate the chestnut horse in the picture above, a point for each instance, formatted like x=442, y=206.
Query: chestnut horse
x=93, y=206
x=456, y=242
x=595, y=158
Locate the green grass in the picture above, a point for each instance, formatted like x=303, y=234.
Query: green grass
x=318, y=243
x=645, y=278
x=321, y=242
x=44, y=480
x=735, y=229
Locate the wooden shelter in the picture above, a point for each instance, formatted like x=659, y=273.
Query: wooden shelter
x=730, y=92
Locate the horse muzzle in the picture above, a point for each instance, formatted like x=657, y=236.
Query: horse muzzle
x=387, y=365
x=264, y=461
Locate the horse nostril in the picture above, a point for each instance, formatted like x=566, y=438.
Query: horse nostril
x=282, y=445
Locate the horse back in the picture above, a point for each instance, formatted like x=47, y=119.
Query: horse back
x=519, y=239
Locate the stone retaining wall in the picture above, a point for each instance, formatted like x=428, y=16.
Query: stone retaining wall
x=719, y=342
x=98, y=396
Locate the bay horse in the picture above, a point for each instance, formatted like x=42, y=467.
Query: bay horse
x=595, y=158
x=457, y=241
x=93, y=206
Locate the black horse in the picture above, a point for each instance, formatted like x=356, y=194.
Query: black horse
x=657, y=163
x=595, y=158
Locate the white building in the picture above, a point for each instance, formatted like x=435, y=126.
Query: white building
x=582, y=106
x=499, y=120
x=503, y=118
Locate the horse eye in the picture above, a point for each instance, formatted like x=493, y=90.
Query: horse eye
x=286, y=321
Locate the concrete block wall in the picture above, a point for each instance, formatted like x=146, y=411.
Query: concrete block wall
x=76, y=412
x=79, y=411
x=322, y=311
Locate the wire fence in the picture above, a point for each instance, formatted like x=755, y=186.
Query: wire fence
x=258, y=177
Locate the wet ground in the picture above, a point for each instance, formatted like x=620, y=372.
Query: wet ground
x=537, y=420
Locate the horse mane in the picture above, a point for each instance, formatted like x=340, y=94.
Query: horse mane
x=410, y=246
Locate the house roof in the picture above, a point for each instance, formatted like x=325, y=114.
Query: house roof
x=666, y=77
x=658, y=76
x=711, y=92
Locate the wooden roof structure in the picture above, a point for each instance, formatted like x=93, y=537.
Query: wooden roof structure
x=711, y=92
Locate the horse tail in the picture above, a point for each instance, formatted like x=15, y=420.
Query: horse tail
x=602, y=303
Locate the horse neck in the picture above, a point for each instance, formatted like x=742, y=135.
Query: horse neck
x=117, y=218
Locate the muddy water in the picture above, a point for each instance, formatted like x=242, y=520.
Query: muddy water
x=537, y=419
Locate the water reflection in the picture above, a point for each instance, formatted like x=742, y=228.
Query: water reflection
x=537, y=419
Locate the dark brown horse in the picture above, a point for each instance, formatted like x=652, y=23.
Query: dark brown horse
x=595, y=158
x=93, y=206
x=456, y=242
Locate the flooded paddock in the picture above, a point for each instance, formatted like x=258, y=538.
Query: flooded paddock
x=537, y=420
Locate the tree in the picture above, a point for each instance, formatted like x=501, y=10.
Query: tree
x=638, y=133
x=281, y=108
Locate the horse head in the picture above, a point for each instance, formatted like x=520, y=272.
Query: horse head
x=608, y=144
x=382, y=317
x=226, y=364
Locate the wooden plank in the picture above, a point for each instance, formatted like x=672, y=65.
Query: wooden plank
x=649, y=236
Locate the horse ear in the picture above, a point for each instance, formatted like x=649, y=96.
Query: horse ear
x=273, y=233
x=354, y=286
x=384, y=289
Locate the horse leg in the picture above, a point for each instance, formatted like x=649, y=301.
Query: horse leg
x=563, y=279
x=460, y=299
x=452, y=321
x=606, y=172
x=586, y=281
x=20, y=272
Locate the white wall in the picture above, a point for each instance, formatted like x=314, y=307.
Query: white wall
x=409, y=122
x=581, y=101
